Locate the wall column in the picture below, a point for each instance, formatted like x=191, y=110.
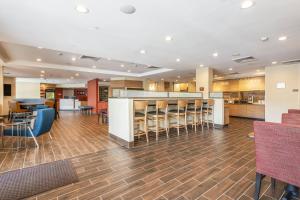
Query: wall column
x=204, y=80
x=93, y=94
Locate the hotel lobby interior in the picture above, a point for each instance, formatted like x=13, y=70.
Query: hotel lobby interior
x=150, y=100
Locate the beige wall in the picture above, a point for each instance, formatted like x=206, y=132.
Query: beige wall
x=27, y=90
x=278, y=101
x=6, y=99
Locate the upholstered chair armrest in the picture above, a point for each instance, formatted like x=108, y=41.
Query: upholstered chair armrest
x=290, y=118
x=297, y=111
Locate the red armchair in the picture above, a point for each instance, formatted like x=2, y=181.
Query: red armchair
x=296, y=111
x=277, y=153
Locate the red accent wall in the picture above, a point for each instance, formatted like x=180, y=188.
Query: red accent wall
x=80, y=94
x=58, y=93
x=93, y=96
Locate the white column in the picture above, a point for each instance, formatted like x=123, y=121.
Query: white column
x=204, y=78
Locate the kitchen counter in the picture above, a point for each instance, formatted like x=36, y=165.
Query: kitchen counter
x=255, y=111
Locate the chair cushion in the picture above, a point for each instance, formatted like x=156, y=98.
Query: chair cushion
x=154, y=113
x=176, y=111
x=138, y=114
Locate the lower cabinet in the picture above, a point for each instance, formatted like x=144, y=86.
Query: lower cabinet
x=247, y=110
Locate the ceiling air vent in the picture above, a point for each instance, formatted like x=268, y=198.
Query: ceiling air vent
x=153, y=67
x=290, y=62
x=90, y=58
x=246, y=59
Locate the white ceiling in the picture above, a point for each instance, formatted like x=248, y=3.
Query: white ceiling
x=199, y=28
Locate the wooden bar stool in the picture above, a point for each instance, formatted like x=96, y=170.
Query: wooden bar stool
x=196, y=112
x=181, y=112
x=159, y=115
x=140, y=119
x=209, y=113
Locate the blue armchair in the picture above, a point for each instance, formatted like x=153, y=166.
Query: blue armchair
x=43, y=123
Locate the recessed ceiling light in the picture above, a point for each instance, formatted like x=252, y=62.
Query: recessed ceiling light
x=215, y=54
x=82, y=9
x=230, y=69
x=247, y=4
x=94, y=66
x=128, y=9
x=176, y=80
x=71, y=77
x=108, y=58
x=104, y=80
x=257, y=70
x=178, y=76
x=162, y=79
x=122, y=65
x=168, y=38
x=178, y=60
x=264, y=38
x=39, y=47
x=73, y=58
x=43, y=72
x=143, y=51
x=38, y=59
x=76, y=74
x=274, y=62
x=201, y=65
x=129, y=70
x=282, y=38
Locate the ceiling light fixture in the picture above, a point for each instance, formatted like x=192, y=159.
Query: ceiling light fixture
x=42, y=75
x=122, y=65
x=215, y=54
x=247, y=4
x=142, y=51
x=201, y=65
x=76, y=74
x=68, y=79
x=128, y=9
x=73, y=58
x=230, y=69
x=108, y=58
x=274, y=62
x=178, y=60
x=168, y=38
x=282, y=38
x=162, y=79
x=82, y=9
x=94, y=66
x=257, y=70
x=129, y=70
x=39, y=47
x=38, y=59
x=71, y=77
x=264, y=38
x=43, y=72
x=178, y=76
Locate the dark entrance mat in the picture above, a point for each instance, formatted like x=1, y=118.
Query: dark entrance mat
x=22, y=183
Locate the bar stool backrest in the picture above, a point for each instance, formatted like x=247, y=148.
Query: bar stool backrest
x=210, y=102
x=182, y=104
x=198, y=103
x=161, y=104
x=141, y=106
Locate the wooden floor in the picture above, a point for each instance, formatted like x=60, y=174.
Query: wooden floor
x=214, y=164
x=73, y=135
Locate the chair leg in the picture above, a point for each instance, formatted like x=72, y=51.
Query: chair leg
x=273, y=184
x=156, y=123
x=185, y=124
x=258, y=180
x=195, y=122
x=31, y=133
x=178, y=122
x=50, y=135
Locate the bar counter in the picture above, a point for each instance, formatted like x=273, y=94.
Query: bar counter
x=121, y=112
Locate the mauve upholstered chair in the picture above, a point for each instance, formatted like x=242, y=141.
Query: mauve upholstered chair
x=277, y=153
x=296, y=111
x=290, y=118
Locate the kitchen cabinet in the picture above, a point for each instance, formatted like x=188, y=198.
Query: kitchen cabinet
x=256, y=111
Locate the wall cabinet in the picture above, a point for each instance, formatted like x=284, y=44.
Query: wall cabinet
x=247, y=110
x=245, y=84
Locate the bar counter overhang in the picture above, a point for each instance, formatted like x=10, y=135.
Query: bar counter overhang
x=121, y=111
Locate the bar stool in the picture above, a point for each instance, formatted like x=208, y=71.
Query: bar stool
x=209, y=113
x=160, y=114
x=181, y=112
x=140, y=118
x=196, y=112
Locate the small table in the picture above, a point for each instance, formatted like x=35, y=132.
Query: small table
x=15, y=125
x=86, y=109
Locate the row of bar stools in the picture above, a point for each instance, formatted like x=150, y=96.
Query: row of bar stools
x=162, y=119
